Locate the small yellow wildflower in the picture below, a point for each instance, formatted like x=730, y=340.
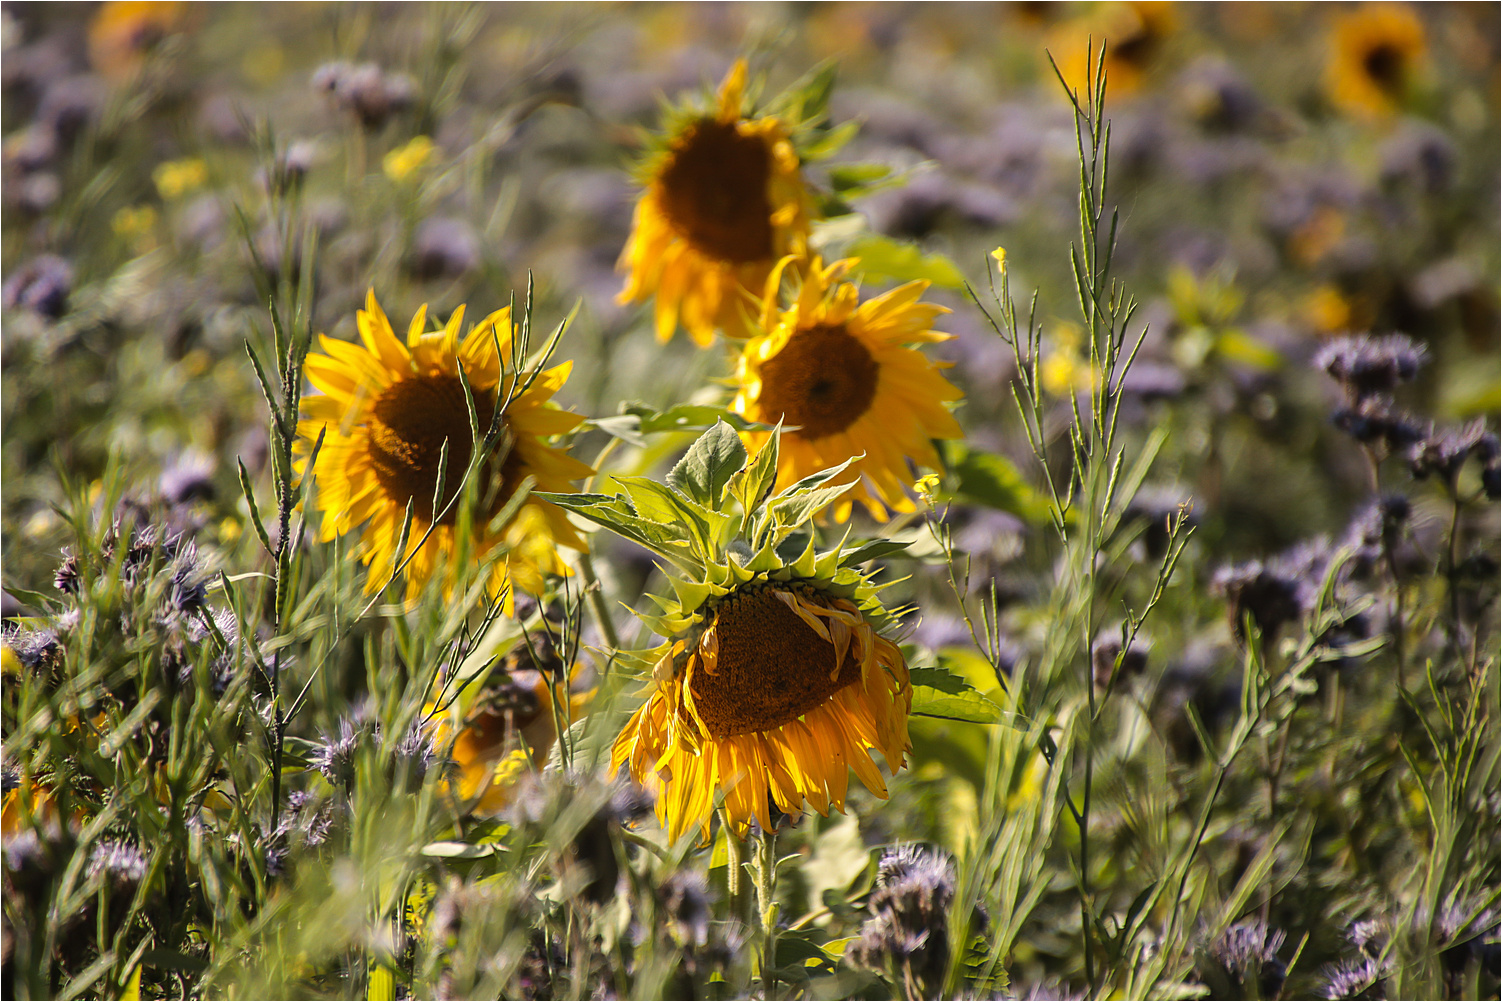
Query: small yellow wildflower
x=1000, y=254
x=176, y=178
x=1067, y=369
x=1328, y=310
x=927, y=488
x=135, y=225
x=402, y=163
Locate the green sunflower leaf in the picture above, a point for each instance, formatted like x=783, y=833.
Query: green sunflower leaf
x=807, y=100
x=941, y=693
x=794, y=511
x=828, y=141
x=750, y=485
x=814, y=480
x=616, y=513
x=707, y=467
x=683, y=417
x=993, y=481
x=847, y=177
x=872, y=550
x=883, y=257
x=659, y=502
x=626, y=427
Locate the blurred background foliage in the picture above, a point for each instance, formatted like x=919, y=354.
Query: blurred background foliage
x=1285, y=174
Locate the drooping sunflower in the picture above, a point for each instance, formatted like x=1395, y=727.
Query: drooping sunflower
x=724, y=200
x=1374, y=59
x=773, y=695
x=838, y=373
x=776, y=680
x=387, y=408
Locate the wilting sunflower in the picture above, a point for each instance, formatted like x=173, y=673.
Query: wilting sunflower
x=388, y=408
x=839, y=375
x=773, y=695
x=724, y=201
x=1375, y=54
x=776, y=679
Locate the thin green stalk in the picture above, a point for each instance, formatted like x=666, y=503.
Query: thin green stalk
x=595, y=595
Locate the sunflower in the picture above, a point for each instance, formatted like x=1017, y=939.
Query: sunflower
x=838, y=373
x=724, y=200
x=776, y=679
x=122, y=32
x=387, y=409
x=1374, y=59
x=777, y=690
x=1133, y=34
x=23, y=802
x=510, y=725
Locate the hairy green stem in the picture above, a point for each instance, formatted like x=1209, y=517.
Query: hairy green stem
x=735, y=874
x=765, y=868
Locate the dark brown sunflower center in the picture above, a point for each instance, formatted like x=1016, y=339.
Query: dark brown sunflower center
x=409, y=424
x=822, y=381
x=504, y=708
x=1137, y=49
x=714, y=191
x=772, y=668
x=1383, y=64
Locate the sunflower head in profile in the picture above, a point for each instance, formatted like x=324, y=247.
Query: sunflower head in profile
x=724, y=199
x=777, y=680
x=842, y=377
x=1375, y=55
x=392, y=414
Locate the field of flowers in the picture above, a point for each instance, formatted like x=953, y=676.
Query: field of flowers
x=861, y=500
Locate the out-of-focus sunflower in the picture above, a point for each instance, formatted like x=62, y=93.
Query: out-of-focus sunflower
x=511, y=725
x=1374, y=59
x=724, y=201
x=772, y=691
x=839, y=374
x=26, y=800
x=123, y=31
x=388, y=408
x=1133, y=33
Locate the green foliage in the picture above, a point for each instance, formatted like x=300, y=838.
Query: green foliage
x=1189, y=718
x=884, y=258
